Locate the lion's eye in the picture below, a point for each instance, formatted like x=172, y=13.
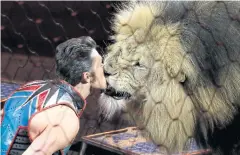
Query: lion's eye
x=137, y=64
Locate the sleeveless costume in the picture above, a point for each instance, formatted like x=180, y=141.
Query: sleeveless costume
x=29, y=100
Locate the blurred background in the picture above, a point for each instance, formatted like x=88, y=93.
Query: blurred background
x=30, y=32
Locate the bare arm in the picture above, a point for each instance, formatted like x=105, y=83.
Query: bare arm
x=52, y=130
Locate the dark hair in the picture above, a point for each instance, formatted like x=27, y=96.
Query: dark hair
x=73, y=58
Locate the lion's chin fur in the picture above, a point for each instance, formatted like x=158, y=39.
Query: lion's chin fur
x=110, y=107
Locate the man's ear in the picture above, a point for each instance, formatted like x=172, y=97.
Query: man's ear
x=86, y=77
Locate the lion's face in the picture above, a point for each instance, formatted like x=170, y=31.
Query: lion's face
x=130, y=67
x=133, y=69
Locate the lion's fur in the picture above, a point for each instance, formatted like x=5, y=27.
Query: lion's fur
x=189, y=73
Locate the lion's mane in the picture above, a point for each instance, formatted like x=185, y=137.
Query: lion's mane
x=192, y=84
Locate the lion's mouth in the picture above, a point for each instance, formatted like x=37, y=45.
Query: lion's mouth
x=117, y=95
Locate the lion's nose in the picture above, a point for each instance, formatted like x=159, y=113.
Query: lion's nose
x=106, y=73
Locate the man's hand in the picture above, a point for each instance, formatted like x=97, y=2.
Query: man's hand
x=52, y=130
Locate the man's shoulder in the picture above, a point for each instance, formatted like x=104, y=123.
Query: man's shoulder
x=54, y=115
x=60, y=115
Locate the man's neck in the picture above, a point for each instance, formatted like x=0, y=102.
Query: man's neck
x=83, y=89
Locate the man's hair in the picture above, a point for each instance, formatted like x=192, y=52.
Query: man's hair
x=73, y=57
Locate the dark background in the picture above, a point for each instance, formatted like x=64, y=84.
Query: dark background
x=30, y=32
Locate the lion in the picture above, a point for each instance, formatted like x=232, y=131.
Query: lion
x=175, y=68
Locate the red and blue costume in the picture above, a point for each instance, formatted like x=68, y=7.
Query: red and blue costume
x=25, y=103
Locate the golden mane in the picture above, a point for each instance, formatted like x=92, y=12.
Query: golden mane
x=185, y=92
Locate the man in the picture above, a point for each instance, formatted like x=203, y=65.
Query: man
x=42, y=117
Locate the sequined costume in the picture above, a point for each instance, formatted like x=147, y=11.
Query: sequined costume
x=29, y=100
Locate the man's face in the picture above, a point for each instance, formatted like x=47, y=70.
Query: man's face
x=99, y=80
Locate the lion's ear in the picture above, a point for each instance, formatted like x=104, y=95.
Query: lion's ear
x=181, y=77
x=176, y=73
